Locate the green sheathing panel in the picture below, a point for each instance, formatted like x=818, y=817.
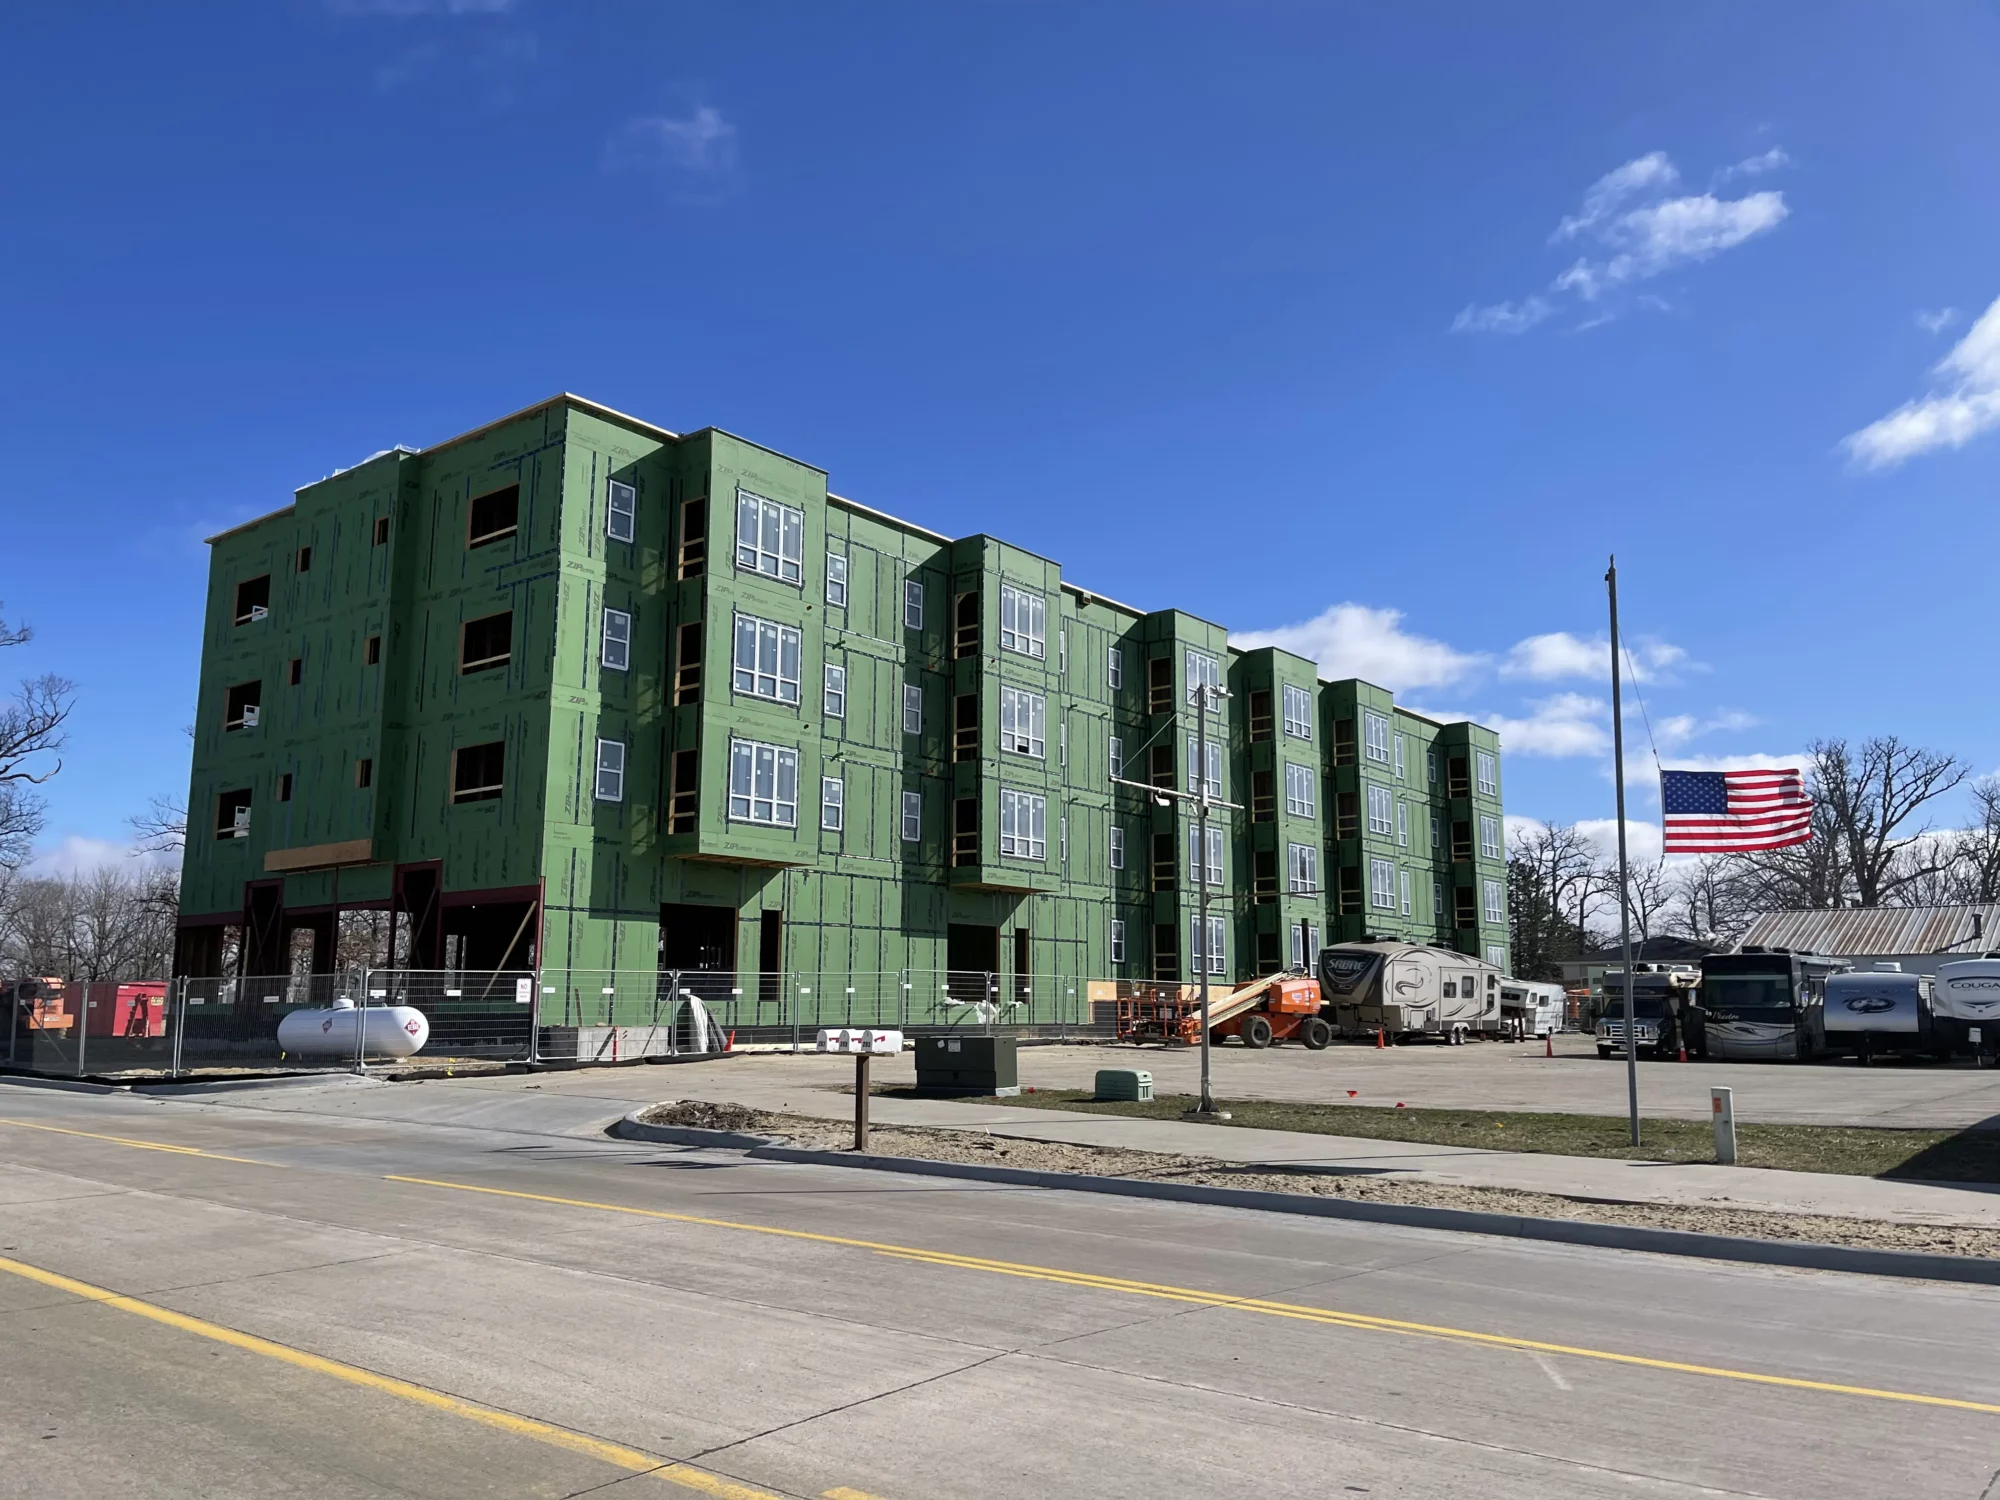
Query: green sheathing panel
x=854, y=900
x=601, y=856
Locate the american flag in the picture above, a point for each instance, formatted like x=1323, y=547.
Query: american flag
x=1728, y=812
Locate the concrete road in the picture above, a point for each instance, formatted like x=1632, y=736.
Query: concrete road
x=317, y=1303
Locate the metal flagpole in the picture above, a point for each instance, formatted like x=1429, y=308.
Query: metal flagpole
x=1207, y=1106
x=1624, y=883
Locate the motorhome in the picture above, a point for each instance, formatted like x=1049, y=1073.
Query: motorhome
x=1767, y=1004
x=1530, y=1010
x=1881, y=1012
x=1661, y=994
x=1406, y=991
x=1966, y=1003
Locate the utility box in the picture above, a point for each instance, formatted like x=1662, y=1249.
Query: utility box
x=1124, y=1083
x=982, y=1065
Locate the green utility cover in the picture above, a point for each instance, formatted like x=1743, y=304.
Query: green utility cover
x=1124, y=1083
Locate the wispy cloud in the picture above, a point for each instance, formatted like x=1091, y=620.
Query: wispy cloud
x=1559, y=654
x=1965, y=404
x=1355, y=640
x=1755, y=166
x=700, y=142
x=1637, y=232
x=78, y=854
x=1935, y=320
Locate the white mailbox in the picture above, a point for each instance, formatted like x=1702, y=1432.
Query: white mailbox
x=860, y=1041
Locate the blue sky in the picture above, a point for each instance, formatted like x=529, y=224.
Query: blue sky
x=1368, y=329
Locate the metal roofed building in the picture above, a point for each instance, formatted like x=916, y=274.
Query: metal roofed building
x=1918, y=937
x=574, y=691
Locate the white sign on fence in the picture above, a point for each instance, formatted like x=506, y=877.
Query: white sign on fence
x=524, y=992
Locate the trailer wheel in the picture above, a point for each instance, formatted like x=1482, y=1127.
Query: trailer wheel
x=1256, y=1031
x=1315, y=1033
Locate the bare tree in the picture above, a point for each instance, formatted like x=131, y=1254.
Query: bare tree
x=1874, y=796
x=1705, y=902
x=1649, y=891
x=112, y=923
x=161, y=828
x=1555, y=878
x=31, y=733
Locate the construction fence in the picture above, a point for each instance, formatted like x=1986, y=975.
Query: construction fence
x=370, y=1018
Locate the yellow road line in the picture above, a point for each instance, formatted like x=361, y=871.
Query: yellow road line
x=1335, y=1317
x=126, y=1140
x=615, y=1454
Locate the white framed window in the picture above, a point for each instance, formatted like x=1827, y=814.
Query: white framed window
x=1117, y=847
x=766, y=659
x=1302, y=865
x=1489, y=775
x=1399, y=757
x=1496, y=956
x=1381, y=810
x=615, y=645
x=1437, y=829
x=1115, y=665
x=1431, y=764
x=763, y=784
x=1489, y=835
x=1194, y=747
x=1023, y=622
x=913, y=709
x=1300, y=791
x=1023, y=723
x=1298, y=712
x=770, y=538
x=1382, y=884
x=610, y=770
x=1403, y=891
x=1117, y=751
x=832, y=802
x=836, y=579
x=1062, y=839
x=833, y=702
x=1062, y=743
x=1376, y=729
x=1402, y=823
x=1117, y=941
x=621, y=510
x=1216, y=950
x=1496, y=902
x=1195, y=861
x=1205, y=671
x=1437, y=901
x=1024, y=825
x=913, y=604
x=913, y=817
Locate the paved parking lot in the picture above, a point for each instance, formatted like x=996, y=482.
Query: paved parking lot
x=1497, y=1075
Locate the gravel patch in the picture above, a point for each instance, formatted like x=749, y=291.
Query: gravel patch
x=968, y=1146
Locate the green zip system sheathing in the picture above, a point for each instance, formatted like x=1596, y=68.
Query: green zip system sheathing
x=743, y=724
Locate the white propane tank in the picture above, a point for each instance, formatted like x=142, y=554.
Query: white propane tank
x=392, y=1030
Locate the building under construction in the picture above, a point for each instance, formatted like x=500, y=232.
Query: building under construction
x=573, y=691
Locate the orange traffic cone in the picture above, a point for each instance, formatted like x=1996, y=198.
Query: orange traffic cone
x=1379, y=1043
x=730, y=1045
x=1548, y=1044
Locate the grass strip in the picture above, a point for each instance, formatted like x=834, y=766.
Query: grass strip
x=1847, y=1150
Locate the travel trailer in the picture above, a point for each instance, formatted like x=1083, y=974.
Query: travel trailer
x=1965, y=1000
x=1881, y=1012
x=1408, y=990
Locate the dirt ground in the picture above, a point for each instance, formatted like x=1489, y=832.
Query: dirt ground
x=1041, y=1156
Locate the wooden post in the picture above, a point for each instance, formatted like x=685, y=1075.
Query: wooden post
x=861, y=1102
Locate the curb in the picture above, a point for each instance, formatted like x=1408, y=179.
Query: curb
x=632, y=1128
x=1797, y=1254
x=62, y=1085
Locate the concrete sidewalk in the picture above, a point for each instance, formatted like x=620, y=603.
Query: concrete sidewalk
x=812, y=1089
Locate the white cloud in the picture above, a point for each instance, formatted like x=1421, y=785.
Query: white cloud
x=1640, y=175
x=1640, y=233
x=1354, y=640
x=1756, y=166
x=701, y=142
x=1643, y=841
x=78, y=854
x=1569, y=724
x=1936, y=320
x=1558, y=654
x=1502, y=317
x=1966, y=405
